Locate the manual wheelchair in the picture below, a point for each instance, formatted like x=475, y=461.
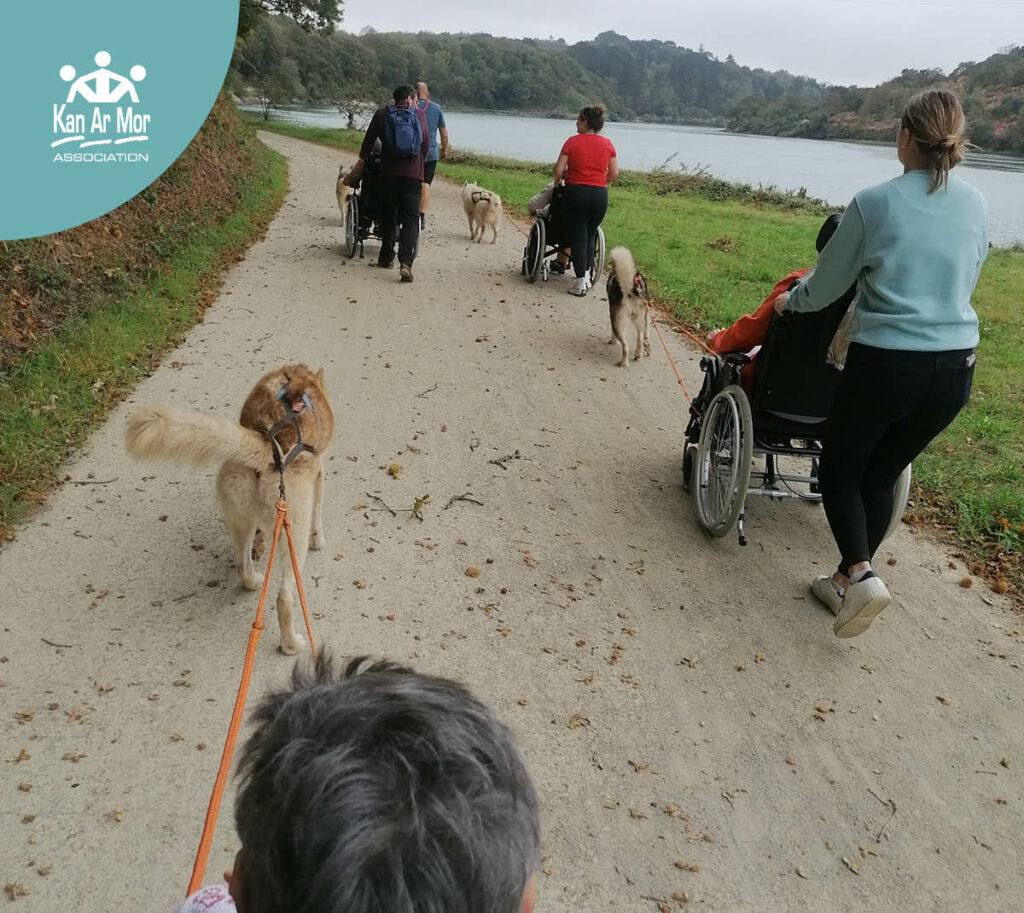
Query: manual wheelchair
x=784, y=420
x=546, y=239
x=364, y=213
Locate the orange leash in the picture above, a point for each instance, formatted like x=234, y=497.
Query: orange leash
x=203, y=853
x=652, y=310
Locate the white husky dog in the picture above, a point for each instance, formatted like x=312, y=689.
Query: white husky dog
x=483, y=209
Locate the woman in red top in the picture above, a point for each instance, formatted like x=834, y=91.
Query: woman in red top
x=587, y=162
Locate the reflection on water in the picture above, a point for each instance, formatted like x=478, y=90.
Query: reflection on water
x=833, y=171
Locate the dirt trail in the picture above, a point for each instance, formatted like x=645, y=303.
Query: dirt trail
x=677, y=698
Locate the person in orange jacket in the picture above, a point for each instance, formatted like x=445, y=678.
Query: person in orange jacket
x=749, y=331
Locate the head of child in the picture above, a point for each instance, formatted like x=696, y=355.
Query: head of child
x=382, y=789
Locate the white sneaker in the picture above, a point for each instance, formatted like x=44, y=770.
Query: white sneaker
x=861, y=603
x=590, y=284
x=824, y=590
x=579, y=287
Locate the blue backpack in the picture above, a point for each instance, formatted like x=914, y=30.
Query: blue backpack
x=402, y=133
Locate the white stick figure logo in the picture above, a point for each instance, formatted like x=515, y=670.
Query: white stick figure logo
x=102, y=86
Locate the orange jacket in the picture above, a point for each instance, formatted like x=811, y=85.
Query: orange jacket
x=749, y=331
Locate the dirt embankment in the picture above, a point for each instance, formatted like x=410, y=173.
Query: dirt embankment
x=47, y=282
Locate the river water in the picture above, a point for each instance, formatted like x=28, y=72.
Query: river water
x=833, y=171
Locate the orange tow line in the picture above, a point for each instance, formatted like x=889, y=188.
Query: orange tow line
x=203, y=853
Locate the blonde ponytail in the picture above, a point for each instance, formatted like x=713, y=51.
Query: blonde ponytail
x=937, y=125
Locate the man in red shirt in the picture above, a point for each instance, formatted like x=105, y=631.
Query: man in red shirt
x=402, y=130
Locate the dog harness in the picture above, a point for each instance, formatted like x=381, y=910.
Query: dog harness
x=281, y=459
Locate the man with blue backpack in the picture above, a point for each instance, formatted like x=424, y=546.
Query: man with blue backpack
x=402, y=131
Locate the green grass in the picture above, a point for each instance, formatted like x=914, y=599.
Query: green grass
x=57, y=394
x=712, y=251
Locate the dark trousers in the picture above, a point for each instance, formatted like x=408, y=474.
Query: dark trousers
x=400, y=205
x=584, y=208
x=889, y=405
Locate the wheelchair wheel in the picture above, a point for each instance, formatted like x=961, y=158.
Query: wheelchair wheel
x=351, y=224
x=899, y=504
x=597, y=267
x=689, y=458
x=533, y=256
x=722, y=467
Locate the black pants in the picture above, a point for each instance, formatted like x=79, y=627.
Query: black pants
x=890, y=404
x=584, y=208
x=400, y=204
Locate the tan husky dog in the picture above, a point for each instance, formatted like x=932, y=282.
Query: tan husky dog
x=286, y=418
x=342, y=191
x=627, y=303
x=483, y=209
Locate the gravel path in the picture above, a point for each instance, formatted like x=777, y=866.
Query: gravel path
x=681, y=702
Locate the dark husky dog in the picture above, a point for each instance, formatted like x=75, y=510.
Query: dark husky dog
x=627, y=301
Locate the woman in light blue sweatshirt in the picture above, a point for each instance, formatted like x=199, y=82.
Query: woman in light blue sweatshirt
x=915, y=246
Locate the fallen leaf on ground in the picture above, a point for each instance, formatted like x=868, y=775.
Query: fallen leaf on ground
x=25, y=786
x=15, y=889
x=23, y=755
x=854, y=867
x=681, y=896
x=801, y=872
x=472, y=571
x=25, y=716
x=636, y=813
x=115, y=815
x=945, y=701
x=687, y=866
x=394, y=470
x=44, y=870
x=72, y=756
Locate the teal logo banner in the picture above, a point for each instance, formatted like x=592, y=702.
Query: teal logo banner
x=109, y=94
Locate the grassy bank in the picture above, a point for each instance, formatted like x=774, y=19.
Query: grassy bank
x=713, y=250
x=87, y=313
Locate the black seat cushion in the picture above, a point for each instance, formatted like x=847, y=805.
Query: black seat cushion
x=790, y=373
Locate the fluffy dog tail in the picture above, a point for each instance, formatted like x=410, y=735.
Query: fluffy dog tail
x=624, y=268
x=181, y=436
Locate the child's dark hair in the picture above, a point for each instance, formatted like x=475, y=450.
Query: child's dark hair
x=382, y=790
x=593, y=115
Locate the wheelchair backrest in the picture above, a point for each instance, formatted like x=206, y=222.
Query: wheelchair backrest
x=791, y=377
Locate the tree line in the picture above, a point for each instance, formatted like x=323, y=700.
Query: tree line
x=289, y=51
x=992, y=93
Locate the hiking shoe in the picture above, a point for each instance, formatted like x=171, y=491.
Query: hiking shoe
x=824, y=590
x=406, y=273
x=862, y=601
x=557, y=267
x=390, y=264
x=578, y=287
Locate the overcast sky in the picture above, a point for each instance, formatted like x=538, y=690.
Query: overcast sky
x=845, y=42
